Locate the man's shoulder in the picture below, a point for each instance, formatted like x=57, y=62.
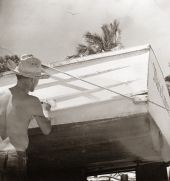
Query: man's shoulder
x=34, y=105
x=33, y=100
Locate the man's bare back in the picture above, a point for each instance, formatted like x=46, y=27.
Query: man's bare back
x=16, y=111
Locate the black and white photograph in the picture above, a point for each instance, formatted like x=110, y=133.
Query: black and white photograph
x=84, y=90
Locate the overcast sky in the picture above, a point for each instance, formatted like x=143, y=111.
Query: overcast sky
x=51, y=29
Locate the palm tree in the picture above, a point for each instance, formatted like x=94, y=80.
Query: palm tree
x=111, y=35
x=95, y=43
x=3, y=62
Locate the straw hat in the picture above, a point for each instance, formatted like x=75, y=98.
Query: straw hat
x=29, y=66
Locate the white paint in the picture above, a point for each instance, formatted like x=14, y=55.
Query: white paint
x=158, y=93
x=124, y=73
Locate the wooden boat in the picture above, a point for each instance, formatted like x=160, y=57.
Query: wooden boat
x=110, y=112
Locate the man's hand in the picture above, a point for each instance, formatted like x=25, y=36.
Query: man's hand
x=46, y=108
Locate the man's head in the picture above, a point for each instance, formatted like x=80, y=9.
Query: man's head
x=28, y=72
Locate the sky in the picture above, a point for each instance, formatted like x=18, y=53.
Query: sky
x=52, y=29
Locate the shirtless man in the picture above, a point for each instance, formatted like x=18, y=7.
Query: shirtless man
x=17, y=109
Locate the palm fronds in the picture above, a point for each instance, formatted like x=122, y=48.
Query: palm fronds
x=3, y=62
x=95, y=43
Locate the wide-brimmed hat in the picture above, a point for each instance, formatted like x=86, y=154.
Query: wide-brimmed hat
x=28, y=66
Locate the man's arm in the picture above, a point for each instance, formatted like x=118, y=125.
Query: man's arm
x=37, y=111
